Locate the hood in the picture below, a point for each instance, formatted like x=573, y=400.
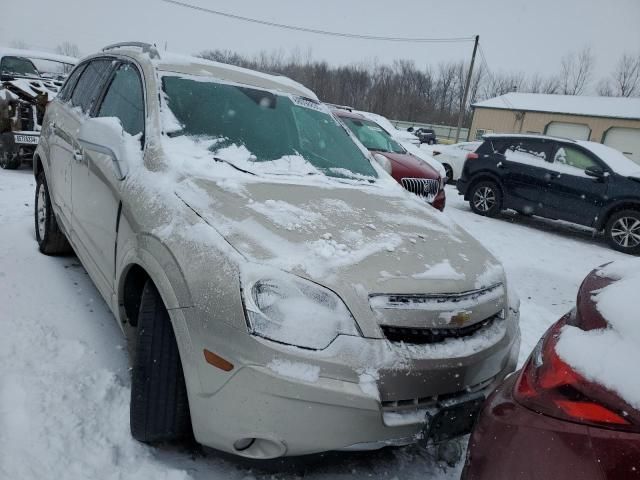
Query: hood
x=405, y=165
x=29, y=88
x=358, y=241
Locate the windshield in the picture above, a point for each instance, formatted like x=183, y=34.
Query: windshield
x=372, y=136
x=52, y=68
x=18, y=66
x=269, y=126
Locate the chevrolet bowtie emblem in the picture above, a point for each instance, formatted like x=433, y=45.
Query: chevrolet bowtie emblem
x=461, y=318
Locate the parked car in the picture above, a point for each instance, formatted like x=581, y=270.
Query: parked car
x=425, y=135
x=573, y=410
x=413, y=174
x=452, y=157
x=283, y=295
x=407, y=139
x=28, y=80
x=577, y=181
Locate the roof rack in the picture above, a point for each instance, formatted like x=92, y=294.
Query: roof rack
x=340, y=107
x=146, y=47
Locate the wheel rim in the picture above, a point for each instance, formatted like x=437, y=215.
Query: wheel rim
x=484, y=199
x=626, y=232
x=41, y=211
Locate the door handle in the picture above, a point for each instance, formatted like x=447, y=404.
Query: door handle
x=78, y=156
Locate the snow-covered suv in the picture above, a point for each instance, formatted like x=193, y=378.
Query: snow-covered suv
x=278, y=302
x=573, y=180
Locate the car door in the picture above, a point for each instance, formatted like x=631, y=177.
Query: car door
x=523, y=164
x=96, y=192
x=574, y=195
x=57, y=142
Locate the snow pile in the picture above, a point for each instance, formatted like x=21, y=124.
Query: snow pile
x=368, y=383
x=287, y=215
x=610, y=356
x=440, y=271
x=295, y=370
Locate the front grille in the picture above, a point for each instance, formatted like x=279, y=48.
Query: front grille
x=425, y=336
x=423, y=187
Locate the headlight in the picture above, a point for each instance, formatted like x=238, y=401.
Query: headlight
x=288, y=309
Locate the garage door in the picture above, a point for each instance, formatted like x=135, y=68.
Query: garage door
x=627, y=140
x=577, y=131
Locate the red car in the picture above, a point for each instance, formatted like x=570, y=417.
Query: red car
x=411, y=172
x=550, y=422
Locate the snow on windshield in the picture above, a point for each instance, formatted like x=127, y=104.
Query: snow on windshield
x=610, y=356
x=249, y=126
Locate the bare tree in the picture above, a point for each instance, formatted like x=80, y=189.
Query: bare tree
x=541, y=84
x=69, y=49
x=576, y=71
x=625, y=79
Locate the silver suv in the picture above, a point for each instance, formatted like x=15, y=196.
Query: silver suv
x=283, y=295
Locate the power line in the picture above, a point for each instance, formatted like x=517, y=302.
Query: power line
x=321, y=32
x=492, y=78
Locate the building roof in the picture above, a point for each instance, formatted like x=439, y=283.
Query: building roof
x=612, y=107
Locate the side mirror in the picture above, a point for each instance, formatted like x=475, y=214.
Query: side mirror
x=105, y=136
x=410, y=129
x=595, y=172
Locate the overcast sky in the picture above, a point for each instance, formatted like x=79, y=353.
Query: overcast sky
x=529, y=36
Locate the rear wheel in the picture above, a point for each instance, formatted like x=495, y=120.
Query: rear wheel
x=159, y=410
x=486, y=198
x=623, y=231
x=51, y=240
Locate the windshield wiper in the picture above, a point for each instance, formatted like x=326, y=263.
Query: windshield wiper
x=218, y=159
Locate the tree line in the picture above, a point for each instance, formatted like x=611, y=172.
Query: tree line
x=433, y=94
x=403, y=91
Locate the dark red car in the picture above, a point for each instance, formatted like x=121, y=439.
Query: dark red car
x=548, y=421
x=411, y=172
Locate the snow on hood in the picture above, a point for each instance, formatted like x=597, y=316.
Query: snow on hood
x=326, y=229
x=610, y=356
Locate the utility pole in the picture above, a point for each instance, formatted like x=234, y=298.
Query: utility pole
x=466, y=88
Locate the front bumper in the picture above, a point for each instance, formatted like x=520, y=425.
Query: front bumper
x=334, y=408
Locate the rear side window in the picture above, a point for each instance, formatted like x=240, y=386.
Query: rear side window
x=125, y=100
x=67, y=88
x=527, y=151
x=90, y=84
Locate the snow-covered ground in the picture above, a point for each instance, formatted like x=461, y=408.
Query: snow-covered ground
x=64, y=378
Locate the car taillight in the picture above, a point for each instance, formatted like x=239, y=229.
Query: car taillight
x=472, y=156
x=548, y=385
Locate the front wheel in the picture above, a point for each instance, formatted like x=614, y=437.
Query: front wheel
x=623, y=231
x=51, y=240
x=159, y=410
x=9, y=160
x=486, y=198
x=448, y=172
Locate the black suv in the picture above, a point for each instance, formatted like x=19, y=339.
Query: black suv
x=425, y=135
x=581, y=182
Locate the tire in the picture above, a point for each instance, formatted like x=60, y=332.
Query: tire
x=623, y=231
x=9, y=161
x=51, y=240
x=448, y=172
x=432, y=142
x=159, y=410
x=485, y=198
